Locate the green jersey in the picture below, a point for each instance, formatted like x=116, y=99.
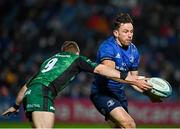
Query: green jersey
x=60, y=69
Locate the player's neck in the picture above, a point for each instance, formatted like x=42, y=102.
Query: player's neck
x=122, y=46
x=119, y=43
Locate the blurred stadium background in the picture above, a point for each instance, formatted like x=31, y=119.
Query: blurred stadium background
x=32, y=30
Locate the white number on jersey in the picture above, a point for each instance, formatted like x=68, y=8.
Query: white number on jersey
x=49, y=65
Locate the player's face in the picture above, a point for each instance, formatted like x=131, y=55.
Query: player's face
x=124, y=34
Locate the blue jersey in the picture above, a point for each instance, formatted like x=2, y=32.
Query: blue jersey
x=125, y=60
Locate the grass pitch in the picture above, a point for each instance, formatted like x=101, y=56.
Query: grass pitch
x=77, y=125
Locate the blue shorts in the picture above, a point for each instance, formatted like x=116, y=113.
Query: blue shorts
x=105, y=103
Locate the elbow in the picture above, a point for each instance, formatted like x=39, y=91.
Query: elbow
x=98, y=69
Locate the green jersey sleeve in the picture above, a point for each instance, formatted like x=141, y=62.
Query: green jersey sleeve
x=86, y=64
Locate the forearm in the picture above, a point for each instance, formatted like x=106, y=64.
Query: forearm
x=20, y=95
x=112, y=74
x=119, y=77
x=131, y=83
x=107, y=71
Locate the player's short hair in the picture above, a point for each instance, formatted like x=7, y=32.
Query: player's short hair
x=121, y=18
x=70, y=46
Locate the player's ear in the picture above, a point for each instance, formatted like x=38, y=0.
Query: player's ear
x=116, y=33
x=77, y=53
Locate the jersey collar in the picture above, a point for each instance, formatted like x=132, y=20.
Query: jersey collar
x=120, y=45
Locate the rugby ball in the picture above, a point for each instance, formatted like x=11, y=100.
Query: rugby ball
x=160, y=87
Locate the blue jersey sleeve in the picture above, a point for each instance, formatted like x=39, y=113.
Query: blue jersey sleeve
x=105, y=52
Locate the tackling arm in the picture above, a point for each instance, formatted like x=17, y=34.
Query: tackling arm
x=15, y=107
x=116, y=75
x=20, y=95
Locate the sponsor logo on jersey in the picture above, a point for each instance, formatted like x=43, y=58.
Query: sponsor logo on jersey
x=63, y=55
x=121, y=68
x=123, y=64
x=28, y=92
x=88, y=60
x=110, y=103
x=52, y=108
x=33, y=105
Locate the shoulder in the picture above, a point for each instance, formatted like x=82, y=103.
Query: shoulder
x=133, y=47
x=87, y=60
x=134, y=50
x=84, y=58
x=107, y=43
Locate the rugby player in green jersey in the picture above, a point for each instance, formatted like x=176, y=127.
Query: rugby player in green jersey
x=38, y=94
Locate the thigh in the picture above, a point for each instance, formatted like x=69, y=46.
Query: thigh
x=38, y=98
x=42, y=119
x=105, y=104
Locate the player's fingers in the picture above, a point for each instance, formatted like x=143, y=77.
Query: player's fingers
x=5, y=113
x=145, y=79
x=145, y=84
x=141, y=86
x=9, y=111
x=141, y=77
x=146, y=87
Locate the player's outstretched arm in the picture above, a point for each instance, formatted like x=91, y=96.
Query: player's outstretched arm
x=106, y=71
x=119, y=77
x=20, y=95
x=15, y=107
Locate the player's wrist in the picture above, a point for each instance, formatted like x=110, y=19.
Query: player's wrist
x=123, y=75
x=16, y=106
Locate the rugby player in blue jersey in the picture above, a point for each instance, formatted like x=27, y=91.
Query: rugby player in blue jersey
x=120, y=53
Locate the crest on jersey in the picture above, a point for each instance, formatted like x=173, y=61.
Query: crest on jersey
x=110, y=103
x=131, y=59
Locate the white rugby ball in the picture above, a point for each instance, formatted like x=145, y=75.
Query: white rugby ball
x=160, y=87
